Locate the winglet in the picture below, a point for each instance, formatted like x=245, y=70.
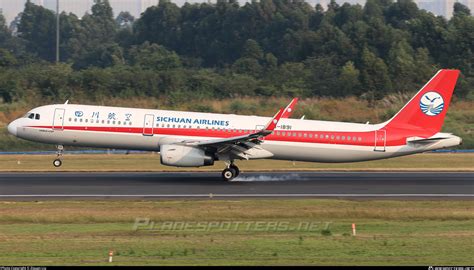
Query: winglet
x=288, y=111
x=273, y=123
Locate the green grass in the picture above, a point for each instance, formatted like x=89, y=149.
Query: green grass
x=388, y=232
x=151, y=162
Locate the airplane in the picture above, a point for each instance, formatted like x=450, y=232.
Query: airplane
x=194, y=139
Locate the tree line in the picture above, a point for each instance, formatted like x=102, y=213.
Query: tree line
x=225, y=50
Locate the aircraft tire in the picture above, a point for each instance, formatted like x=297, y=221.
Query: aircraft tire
x=237, y=170
x=57, y=163
x=229, y=174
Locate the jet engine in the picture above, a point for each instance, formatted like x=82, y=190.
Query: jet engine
x=184, y=156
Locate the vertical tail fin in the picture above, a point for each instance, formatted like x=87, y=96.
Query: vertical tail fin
x=427, y=109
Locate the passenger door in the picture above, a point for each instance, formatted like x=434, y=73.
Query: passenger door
x=58, y=119
x=380, y=140
x=148, y=124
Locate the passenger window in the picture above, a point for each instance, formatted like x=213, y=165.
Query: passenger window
x=343, y=137
x=70, y=119
x=80, y=120
x=87, y=120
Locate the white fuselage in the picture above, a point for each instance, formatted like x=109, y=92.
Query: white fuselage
x=146, y=129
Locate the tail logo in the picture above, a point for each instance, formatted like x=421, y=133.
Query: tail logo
x=431, y=103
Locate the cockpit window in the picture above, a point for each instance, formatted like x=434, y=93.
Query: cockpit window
x=32, y=116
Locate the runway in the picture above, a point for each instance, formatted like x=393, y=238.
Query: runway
x=248, y=185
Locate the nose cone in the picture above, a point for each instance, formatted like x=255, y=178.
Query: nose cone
x=12, y=127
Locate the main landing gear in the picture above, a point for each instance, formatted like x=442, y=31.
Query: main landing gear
x=59, y=153
x=230, y=172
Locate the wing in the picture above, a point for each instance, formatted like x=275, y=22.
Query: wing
x=244, y=146
x=288, y=111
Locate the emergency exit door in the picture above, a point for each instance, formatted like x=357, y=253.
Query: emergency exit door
x=380, y=140
x=58, y=119
x=148, y=124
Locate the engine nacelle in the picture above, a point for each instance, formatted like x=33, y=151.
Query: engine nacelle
x=184, y=156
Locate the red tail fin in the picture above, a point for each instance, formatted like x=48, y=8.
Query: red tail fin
x=426, y=110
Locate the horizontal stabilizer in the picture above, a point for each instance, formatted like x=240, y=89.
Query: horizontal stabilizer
x=417, y=140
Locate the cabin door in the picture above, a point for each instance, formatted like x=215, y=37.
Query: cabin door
x=148, y=124
x=58, y=119
x=380, y=140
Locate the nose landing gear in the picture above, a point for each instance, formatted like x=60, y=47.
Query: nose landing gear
x=230, y=172
x=59, y=153
x=57, y=162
